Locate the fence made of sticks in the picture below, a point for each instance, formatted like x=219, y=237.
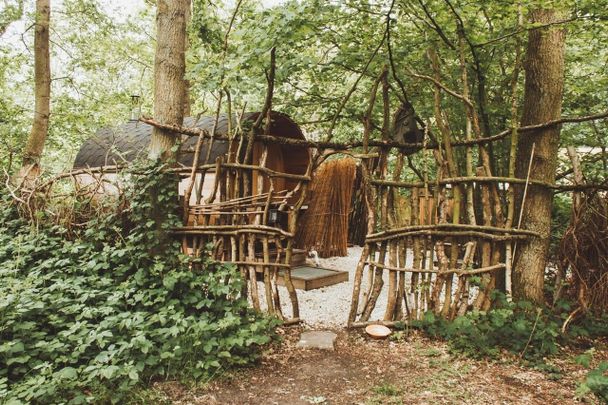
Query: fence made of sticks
x=446, y=253
x=441, y=242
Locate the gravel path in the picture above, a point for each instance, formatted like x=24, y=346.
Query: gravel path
x=329, y=306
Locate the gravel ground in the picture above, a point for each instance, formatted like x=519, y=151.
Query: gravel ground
x=329, y=306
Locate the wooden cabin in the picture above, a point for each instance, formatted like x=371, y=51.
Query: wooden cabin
x=127, y=142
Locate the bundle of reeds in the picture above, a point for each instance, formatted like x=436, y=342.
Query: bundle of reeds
x=324, y=226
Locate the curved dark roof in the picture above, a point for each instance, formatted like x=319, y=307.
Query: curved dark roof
x=113, y=146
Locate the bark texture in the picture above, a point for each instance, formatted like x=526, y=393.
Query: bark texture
x=169, y=70
x=187, y=101
x=544, y=85
x=42, y=94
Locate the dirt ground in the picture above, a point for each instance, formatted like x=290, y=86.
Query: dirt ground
x=412, y=370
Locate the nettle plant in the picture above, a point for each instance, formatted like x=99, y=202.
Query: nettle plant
x=86, y=318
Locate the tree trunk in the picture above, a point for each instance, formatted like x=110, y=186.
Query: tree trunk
x=544, y=86
x=42, y=93
x=187, y=103
x=169, y=93
x=169, y=70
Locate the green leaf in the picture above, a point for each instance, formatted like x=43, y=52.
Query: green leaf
x=109, y=371
x=584, y=359
x=134, y=375
x=69, y=373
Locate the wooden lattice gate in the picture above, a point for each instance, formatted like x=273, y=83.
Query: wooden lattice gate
x=454, y=248
x=437, y=258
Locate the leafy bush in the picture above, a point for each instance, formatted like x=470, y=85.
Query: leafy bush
x=596, y=382
x=88, y=318
x=513, y=326
x=520, y=328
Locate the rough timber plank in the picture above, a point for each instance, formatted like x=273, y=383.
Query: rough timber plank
x=310, y=278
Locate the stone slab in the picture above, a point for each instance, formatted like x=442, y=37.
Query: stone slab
x=317, y=340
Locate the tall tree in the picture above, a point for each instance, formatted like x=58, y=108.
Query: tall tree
x=187, y=103
x=42, y=104
x=544, y=86
x=169, y=93
x=169, y=71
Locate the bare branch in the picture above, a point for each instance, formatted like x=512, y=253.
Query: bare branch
x=443, y=87
x=436, y=26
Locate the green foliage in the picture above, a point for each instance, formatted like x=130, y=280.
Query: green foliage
x=596, y=380
x=386, y=389
x=101, y=53
x=322, y=48
x=520, y=328
x=87, y=319
x=516, y=327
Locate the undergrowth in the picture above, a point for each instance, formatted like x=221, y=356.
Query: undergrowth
x=87, y=316
x=533, y=333
x=596, y=380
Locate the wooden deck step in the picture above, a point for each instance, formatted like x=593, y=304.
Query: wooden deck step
x=310, y=278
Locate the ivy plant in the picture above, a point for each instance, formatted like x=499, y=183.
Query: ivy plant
x=85, y=317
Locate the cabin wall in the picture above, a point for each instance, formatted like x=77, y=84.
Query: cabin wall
x=207, y=191
x=274, y=161
x=106, y=184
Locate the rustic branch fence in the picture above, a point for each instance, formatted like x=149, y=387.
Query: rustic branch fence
x=455, y=247
x=445, y=253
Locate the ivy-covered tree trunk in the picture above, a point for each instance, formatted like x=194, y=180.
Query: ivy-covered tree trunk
x=169, y=93
x=42, y=98
x=544, y=86
x=169, y=70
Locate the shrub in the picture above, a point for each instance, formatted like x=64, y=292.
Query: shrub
x=517, y=327
x=596, y=382
x=85, y=319
x=533, y=333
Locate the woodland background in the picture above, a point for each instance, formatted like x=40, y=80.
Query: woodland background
x=328, y=56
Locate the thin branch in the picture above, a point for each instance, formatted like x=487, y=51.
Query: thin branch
x=436, y=26
x=565, y=120
x=230, y=25
x=355, y=143
x=391, y=59
x=520, y=30
x=414, y=169
x=270, y=75
x=354, y=86
x=443, y=87
x=481, y=80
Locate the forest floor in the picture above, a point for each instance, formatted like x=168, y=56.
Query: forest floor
x=412, y=370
